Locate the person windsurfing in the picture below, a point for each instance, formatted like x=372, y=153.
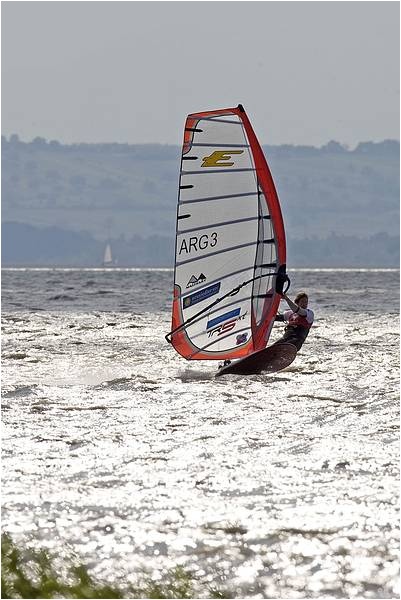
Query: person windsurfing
x=299, y=320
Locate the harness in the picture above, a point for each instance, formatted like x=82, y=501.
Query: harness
x=296, y=320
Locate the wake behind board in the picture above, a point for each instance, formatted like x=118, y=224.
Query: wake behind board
x=269, y=360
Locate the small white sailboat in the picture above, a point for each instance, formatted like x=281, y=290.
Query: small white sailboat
x=108, y=257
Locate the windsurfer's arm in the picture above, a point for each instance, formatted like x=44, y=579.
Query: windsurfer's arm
x=294, y=307
x=279, y=317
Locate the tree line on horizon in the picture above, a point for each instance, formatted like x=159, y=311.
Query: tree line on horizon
x=386, y=147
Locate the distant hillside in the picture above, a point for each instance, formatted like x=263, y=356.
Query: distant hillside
x=69, y=199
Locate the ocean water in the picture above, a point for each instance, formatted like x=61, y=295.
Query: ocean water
x=269, y=486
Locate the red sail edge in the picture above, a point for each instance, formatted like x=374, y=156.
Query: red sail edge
x=260, y=334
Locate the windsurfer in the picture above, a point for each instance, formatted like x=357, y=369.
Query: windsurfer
x=299, y=320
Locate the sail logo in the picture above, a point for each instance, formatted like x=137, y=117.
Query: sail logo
x=196, y=243
x=241, y=338
x=234, y=316
x=201, y=295
x=196, y=280
x=220, y=158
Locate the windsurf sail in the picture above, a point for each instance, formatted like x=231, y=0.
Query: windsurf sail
x=230, y=241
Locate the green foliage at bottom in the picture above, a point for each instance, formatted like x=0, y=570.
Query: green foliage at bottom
x=31, y=574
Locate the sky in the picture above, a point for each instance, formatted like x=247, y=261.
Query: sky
x=130, y=72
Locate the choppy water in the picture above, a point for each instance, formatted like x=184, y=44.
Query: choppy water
x=277, y=486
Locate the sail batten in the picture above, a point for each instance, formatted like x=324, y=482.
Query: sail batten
x=215, y=171
x=230, y=241
x=217, y=197
x=219, y=120
x=214, y=225
x=195, y=145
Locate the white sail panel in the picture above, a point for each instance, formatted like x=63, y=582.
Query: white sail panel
x=220, y=130
x=210, y=241
x=217, y=184
x=206, y=212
